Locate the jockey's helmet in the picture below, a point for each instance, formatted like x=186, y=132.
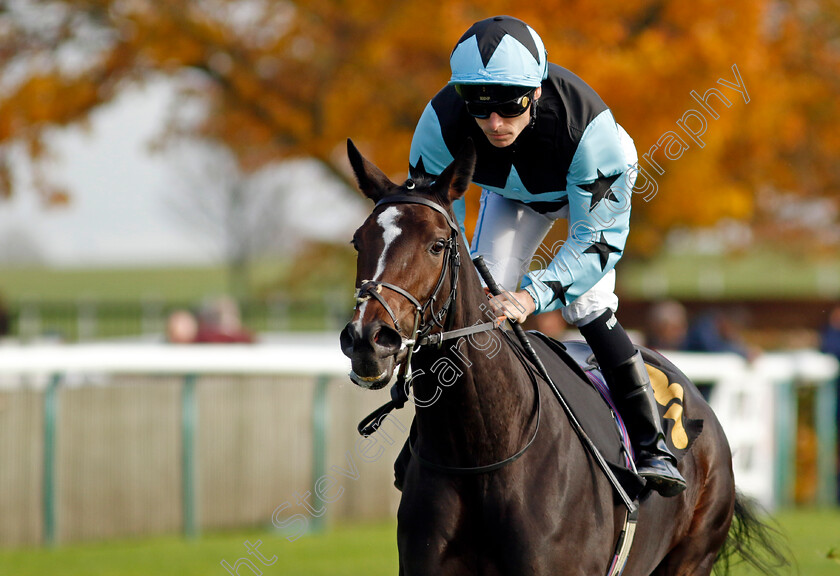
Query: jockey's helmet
x=501, y=50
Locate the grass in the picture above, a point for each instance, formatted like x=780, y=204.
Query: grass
x=342, y=551
x=814, y=537
x=345, y=551
x=110, y=284
x=756, y=274
x=117, y=302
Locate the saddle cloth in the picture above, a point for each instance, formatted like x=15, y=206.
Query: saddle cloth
x=589, y=399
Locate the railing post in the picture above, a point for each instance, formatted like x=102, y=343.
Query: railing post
x=189, y=422
x=320, y=413
x=826, y=428
x=785, y=473
x=50, y=437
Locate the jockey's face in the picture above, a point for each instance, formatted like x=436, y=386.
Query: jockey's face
x=502, y=131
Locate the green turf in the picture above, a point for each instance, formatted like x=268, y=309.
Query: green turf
x=368, y=549
x=126, y=302
x=104, y=284
x=814, y=537
x=759, y=273
x=348, y=550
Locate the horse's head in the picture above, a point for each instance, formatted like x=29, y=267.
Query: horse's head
x=407, y=264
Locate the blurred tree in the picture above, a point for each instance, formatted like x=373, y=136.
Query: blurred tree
x=271, y=79
x=240, y=216
x=274, y=79
x=319, y=268
x=20, y=247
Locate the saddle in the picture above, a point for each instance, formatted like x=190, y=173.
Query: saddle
x=589, y=398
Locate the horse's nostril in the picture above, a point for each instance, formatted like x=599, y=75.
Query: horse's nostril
x=387, y=338
x=347, y=338
x=375, y=337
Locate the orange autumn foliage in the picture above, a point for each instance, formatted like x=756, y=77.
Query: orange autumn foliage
x=279, y=79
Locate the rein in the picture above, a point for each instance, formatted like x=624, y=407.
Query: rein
x=458, y=470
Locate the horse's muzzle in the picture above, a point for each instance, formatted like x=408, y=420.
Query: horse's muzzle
x=373, y=349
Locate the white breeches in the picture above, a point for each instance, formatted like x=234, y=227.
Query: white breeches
x=508, y=234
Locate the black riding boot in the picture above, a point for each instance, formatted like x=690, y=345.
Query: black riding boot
x=630, y=383
x=625, y=373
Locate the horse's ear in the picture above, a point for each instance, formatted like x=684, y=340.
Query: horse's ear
x=372, y=181
x=455, y=179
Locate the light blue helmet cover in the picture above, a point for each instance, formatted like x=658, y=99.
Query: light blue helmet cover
x=499, y=50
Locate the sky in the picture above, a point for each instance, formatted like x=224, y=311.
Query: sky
x=119, y=213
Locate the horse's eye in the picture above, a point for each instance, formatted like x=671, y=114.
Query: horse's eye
x=438, y=247
x=354, y=245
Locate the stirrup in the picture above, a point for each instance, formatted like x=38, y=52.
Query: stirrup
x=661, y=476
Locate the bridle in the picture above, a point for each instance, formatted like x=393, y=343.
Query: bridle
x=421, y=335
x=421, y=332
x=452, y=262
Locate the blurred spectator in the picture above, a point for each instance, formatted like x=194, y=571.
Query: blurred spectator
x=181, y=327
x=830, y=335
x=720, y=331
x=830, y=344
x=667, y=326
x=219, y=321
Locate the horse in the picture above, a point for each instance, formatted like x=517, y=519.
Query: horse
x=499, y=482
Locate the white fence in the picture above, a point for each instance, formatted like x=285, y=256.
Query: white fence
x=272, y=417
x=756, y=402
x=108, y=440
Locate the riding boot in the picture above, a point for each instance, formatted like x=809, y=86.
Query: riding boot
x=630, y=383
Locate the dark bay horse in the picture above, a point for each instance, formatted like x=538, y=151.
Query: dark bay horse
x=549, y=511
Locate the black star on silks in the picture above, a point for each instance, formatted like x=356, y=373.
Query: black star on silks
x=600, y=189
x=603, y=250
x=489, y=33
x=559, y=290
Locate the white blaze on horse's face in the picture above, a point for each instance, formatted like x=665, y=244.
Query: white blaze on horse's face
x=390, y=231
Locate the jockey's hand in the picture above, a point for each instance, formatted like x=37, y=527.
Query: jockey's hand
x=512, y=305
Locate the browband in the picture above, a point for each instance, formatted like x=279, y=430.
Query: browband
x=406, y=199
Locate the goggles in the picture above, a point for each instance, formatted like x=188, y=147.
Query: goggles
x=480, y=104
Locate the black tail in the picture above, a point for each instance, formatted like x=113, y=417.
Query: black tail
x=753, y=541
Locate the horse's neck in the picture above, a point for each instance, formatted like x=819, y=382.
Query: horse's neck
x=474, y=397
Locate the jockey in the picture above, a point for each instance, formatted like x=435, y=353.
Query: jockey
x=547, y=148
